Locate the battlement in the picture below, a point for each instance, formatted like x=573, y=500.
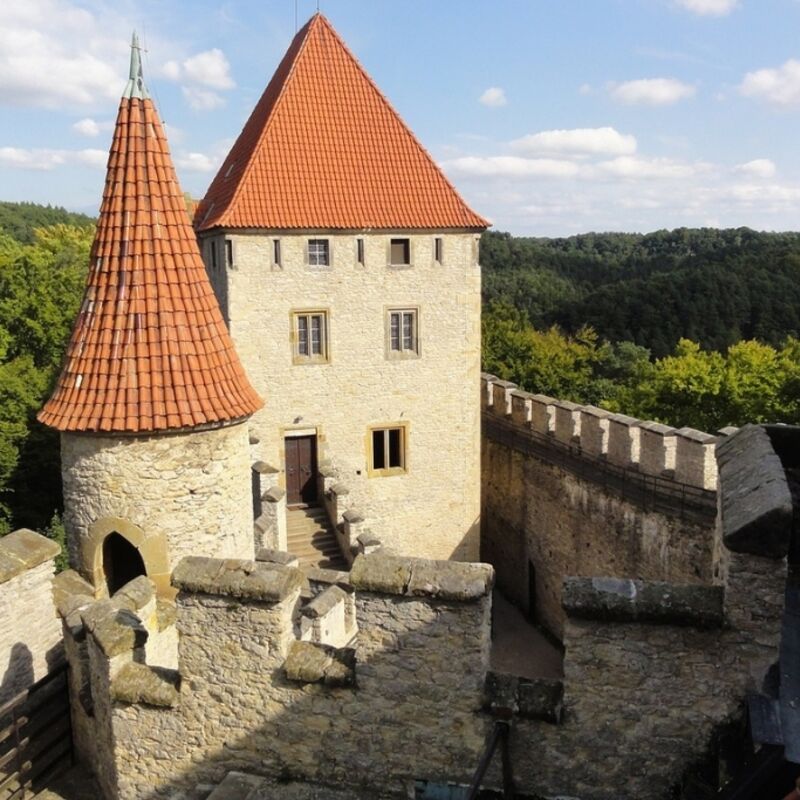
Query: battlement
x=684, y=455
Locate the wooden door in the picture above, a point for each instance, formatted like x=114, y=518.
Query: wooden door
x=301, y=470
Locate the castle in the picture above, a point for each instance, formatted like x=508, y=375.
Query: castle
x=210, y=656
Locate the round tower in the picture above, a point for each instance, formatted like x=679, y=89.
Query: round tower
x=152, y=401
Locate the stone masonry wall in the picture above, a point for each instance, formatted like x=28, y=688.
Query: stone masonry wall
x=190, y=490
x=432, y=509
x=544, y=514
x=410, y=710
x=30, y=631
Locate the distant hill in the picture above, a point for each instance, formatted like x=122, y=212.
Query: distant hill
x=19, y=220
x=713, y=286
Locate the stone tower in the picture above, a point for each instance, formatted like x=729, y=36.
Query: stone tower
x=347, y=267
x=152, y=400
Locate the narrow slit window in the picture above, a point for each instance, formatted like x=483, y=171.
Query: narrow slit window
x=360, y=251
x=228, y=253
x=437, y=249
x=213, y=245
x=276, y=252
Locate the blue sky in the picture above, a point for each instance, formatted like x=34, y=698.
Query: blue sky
x=552, y=117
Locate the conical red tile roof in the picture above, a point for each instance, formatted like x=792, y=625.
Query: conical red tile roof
x=149, y=350
x=324, y=149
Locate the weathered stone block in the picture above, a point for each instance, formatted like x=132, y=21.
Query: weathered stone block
x=594, y=430
x=315, y=663
x=520, y=407
x=24, y=549
x=568, y=421
x=624, y=436
x=501, y=404
x=657, y=448
x=543, y=414
x=694, y=459
x=152, y=686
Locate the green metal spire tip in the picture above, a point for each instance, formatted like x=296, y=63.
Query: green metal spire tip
x=135, y=86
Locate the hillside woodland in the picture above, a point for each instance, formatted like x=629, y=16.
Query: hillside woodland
x=691, y=327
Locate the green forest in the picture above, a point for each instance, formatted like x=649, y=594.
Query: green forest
x=689, y=327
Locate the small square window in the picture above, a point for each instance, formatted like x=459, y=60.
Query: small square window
x=319, y=254
x=360, y=251
x=403, y=332
x=437, y=249
x=388, y=450
x=310, y=336
x=228, y=253
x=400, y=252
x=276, y=252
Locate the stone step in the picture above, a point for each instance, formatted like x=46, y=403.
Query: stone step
x=312, y=539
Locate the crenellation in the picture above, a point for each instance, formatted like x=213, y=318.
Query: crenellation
x=567, y=422
x=624, y=440
x=695, y=462
x=521, y=407
x=594, y=428
x=657, y=449
x=501, y=402
x=543, y=414
x=487, y=389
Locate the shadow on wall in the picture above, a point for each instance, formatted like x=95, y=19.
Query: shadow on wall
x=19, y=672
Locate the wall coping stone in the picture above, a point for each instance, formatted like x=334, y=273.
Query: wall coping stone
x=269, y=556
x=696, y=435
x=657, y=427
x=543, y=398
x=263, y=523
x=625, y=600
x=135, y=594
x=273, y=495
x=340, y=490
x=253, y=439
x=594, y=411
x=116, y=630
x=264, y=469
x=755, y=496
x=249, y=580
x=324, y=602
x=384, y=573
x=309, y=662
x=352, y=516
x=330, y=576
x=67, y=585
x=567, y=405
x=523, y=394
x=327, y=471
x=488, y=377
x=728, y=430
x=22, y=550
x=152, y=686
x=624, y=419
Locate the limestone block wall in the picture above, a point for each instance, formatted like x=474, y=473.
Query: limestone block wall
x=30, y=631
x=407, y=706
x=542, y=521
x=168, y=495
x=432, y=508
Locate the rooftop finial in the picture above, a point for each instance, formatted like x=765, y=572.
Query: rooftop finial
x=135, y=86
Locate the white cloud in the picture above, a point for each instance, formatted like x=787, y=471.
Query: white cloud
x=632, y=168
x=209, y=68
x=709, y=8
x=197, y=162
x=48, y=159
x=511, y=167
x=91, y=127
x=652, y=91
x=758, y=168
x=780, y=86
x=577, y=141
x=202, y=99
x=41, y=63
x=494, y=97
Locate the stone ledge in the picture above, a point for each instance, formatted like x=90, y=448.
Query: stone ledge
x=316, y=663
x=324, y=602
x=136, y=594
x=529, y=698
x=268, y=556
x=249, y=580
x=22, y=550
x=152, y=686
x=755, y=498
x=319, y=575
x=622, y=600
x=418, y=577
x=273, y=495
x=265, y=469
x=116, y=630
x=67, y=585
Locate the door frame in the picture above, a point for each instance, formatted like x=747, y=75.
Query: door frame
x=296, y=433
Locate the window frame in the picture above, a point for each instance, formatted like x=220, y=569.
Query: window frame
x=402, y=352
x=313, y=261
x=307, y=314
x=386, y=428
x=406, y=241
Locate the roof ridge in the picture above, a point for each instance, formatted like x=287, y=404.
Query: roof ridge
x=305, y=31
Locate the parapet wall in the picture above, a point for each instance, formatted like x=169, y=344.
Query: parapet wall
x=576, y=490
x=30, y=632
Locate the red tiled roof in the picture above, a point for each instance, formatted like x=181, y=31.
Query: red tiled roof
x=149, y=350
x=324, y=149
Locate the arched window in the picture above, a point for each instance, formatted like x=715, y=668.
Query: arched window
x=122, y=562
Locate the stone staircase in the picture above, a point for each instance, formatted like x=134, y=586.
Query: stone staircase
x=310, y=537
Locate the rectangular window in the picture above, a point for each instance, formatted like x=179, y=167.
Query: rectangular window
x=276, y=252
x=400, y=252
x=360, y=251
x=437, y=249
x=388, y=456
x=403, y=332
x=228, y=253
x=319, y=254
x=213, y=245
x=310, y=333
